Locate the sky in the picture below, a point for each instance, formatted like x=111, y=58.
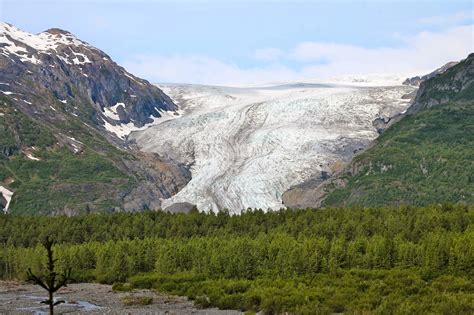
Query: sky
x=245, y=42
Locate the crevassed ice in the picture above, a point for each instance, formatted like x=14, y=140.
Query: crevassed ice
x=247, y=146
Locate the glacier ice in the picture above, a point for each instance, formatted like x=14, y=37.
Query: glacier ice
x=247, y=145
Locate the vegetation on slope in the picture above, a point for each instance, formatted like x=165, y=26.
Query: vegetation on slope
x=60, y=179
x=379, y=260
x=423, y=159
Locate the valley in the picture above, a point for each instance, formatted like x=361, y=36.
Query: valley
x=247, y=145
x=80, y=124
x=282, y=157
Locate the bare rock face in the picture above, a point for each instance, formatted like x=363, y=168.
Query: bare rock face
x=416, y=81
x=165, y=178
x=3, y=202
x=305, y=195
x=456, y=83
x=180, y=207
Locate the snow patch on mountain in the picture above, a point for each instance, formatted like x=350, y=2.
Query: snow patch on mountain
x=248, y=145
x=111, y=111
x=122, y=130
x=32, y=157
x=7, y=194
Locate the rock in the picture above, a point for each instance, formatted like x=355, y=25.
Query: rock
x=381, y=123
x=305, y=195
x=442, y=89
x=416, y=81
x=180, y=207
x=3, y=202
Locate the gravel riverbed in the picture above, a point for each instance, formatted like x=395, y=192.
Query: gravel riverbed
x=93, y=298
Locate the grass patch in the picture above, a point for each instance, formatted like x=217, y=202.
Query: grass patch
x=132, y=300
x=122, y=287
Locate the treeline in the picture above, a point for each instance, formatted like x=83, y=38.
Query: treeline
x=419, y=260
x=409, y=223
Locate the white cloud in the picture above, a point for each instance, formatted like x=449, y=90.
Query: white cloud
x=417, y=54
x=202, y=69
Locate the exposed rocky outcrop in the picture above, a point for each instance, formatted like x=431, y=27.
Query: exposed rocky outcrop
x=304, y=195
x=164, y=178
x=416, y=81
x=457, y=82
x=3, y=202
x=181, y=207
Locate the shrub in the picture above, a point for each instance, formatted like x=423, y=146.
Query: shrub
x=131, y=300
x=122, y=287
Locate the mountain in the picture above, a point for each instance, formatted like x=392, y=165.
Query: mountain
x=66, y=110
x=247, y=145
x=56, y=68
x=416, y=81
x=424, y=158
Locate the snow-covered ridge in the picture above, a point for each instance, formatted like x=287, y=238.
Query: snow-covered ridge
x=25, y=45
x=372, y=80
x=369, y=80
x=248, y=145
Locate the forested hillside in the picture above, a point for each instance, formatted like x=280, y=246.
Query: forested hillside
x=378, y=260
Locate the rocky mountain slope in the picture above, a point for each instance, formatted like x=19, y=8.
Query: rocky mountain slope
x=416, y=81
x=426, y=157
x=65, y=110
x=248, y=145
x=56, y=68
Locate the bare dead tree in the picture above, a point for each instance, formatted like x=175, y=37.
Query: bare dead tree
x=51, y=281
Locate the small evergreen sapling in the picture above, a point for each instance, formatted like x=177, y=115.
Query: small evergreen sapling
x=51, y=281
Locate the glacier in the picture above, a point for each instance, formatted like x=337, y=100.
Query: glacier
x=247, y=145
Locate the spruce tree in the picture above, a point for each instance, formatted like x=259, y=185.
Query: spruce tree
x=51, y=281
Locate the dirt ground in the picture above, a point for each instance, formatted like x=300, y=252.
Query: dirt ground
x=92, y=298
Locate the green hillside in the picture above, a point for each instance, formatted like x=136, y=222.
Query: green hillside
x=427, y=157
x=60, y=179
